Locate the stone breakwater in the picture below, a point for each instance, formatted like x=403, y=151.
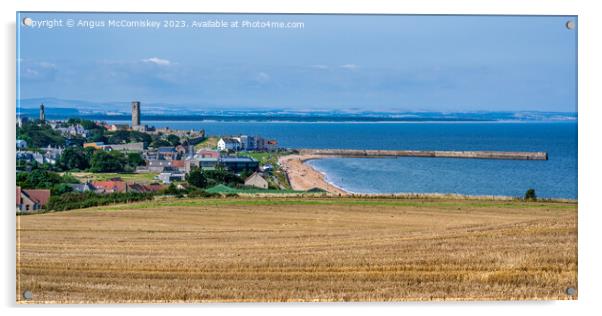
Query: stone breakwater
x=357, y=153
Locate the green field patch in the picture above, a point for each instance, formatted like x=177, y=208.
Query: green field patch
x=453, y=205
x=128, y=177
x=224, y=189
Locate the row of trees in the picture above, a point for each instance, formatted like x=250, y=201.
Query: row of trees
x=207, y=178
x=45, y=179
x=75, y=200
x=80, y=159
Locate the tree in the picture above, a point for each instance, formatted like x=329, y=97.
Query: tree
x=103, y=161
x=159, y=142
x=75, y=158
x=96, y=135
x=197, y=178
x=38, y=179
x=173, y=140
x=60, y=188
x=118, y=137
x=530, y=195
x=223, y=176
x=86, y=124
x=39, y=135
x=171, y=190
x=135, y=160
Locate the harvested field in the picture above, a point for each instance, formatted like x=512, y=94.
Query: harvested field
x=291, y=249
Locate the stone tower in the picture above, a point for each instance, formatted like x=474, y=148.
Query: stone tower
x=135, y=114
x=42, y=113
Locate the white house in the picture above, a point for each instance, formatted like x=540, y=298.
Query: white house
x=227, y=143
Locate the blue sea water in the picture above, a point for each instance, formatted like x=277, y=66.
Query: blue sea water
x=554, y=178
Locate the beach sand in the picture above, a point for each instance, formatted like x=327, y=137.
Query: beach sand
x=304, y=177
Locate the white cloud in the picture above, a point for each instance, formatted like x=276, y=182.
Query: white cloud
x=319, y=66
x=157, y=61
x=262, y=77
x=37, y=70
x=44, y=64
x=349, y=66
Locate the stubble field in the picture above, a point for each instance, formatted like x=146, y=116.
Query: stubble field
x=292, y=249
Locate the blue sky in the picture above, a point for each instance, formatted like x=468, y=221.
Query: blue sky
x=343, y=62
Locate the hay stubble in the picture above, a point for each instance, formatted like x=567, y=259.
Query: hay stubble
x=364, y=250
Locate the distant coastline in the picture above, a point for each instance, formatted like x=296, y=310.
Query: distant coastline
x=120, y=111
x=299, y=119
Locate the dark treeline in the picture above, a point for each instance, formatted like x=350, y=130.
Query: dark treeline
x=76, y=200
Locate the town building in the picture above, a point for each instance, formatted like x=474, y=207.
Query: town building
x=267, y=168
x=169, y=177
x=180, y=165
x=110, y=186
x=158, y=165
x=31, y=200
x=52, y=154
x=182, y=150
x=128, y=148
x=247, y=142
x=239, y=164
x=207, y=153
x=95, y=145
x=145, y=188
x=191, y=163
x=256, y=180
x=21, y=144
x=208, y=163
x=119, y=127
x=22, y=120
x=82, y=187
x=271, y=145
x=168, y=153
x=72, y=130
x=228, y=143
x=30, y=156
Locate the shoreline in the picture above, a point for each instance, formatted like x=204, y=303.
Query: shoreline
x=304, y=177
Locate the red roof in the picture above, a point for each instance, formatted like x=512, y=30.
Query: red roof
x=112, y=186
x=155, y=187
x=204, y=153
x=178, y=163
x=142, y=188
x=40, y=196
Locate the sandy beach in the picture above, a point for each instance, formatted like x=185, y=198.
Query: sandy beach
x=303, y=177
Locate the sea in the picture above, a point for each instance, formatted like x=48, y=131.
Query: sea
x=554, y=178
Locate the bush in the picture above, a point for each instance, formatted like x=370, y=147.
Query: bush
x=530, y=195
x=196, y=177
x=38, y=179
x=75, y=200
x=202, y=193
x=113, y=161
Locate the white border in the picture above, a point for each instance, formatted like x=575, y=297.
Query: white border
x=590, y=208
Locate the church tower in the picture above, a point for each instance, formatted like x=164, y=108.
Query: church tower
x=42, y=113
x=135, y=114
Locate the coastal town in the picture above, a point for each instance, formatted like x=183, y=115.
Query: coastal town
x=75, y=163
x=60, y=160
